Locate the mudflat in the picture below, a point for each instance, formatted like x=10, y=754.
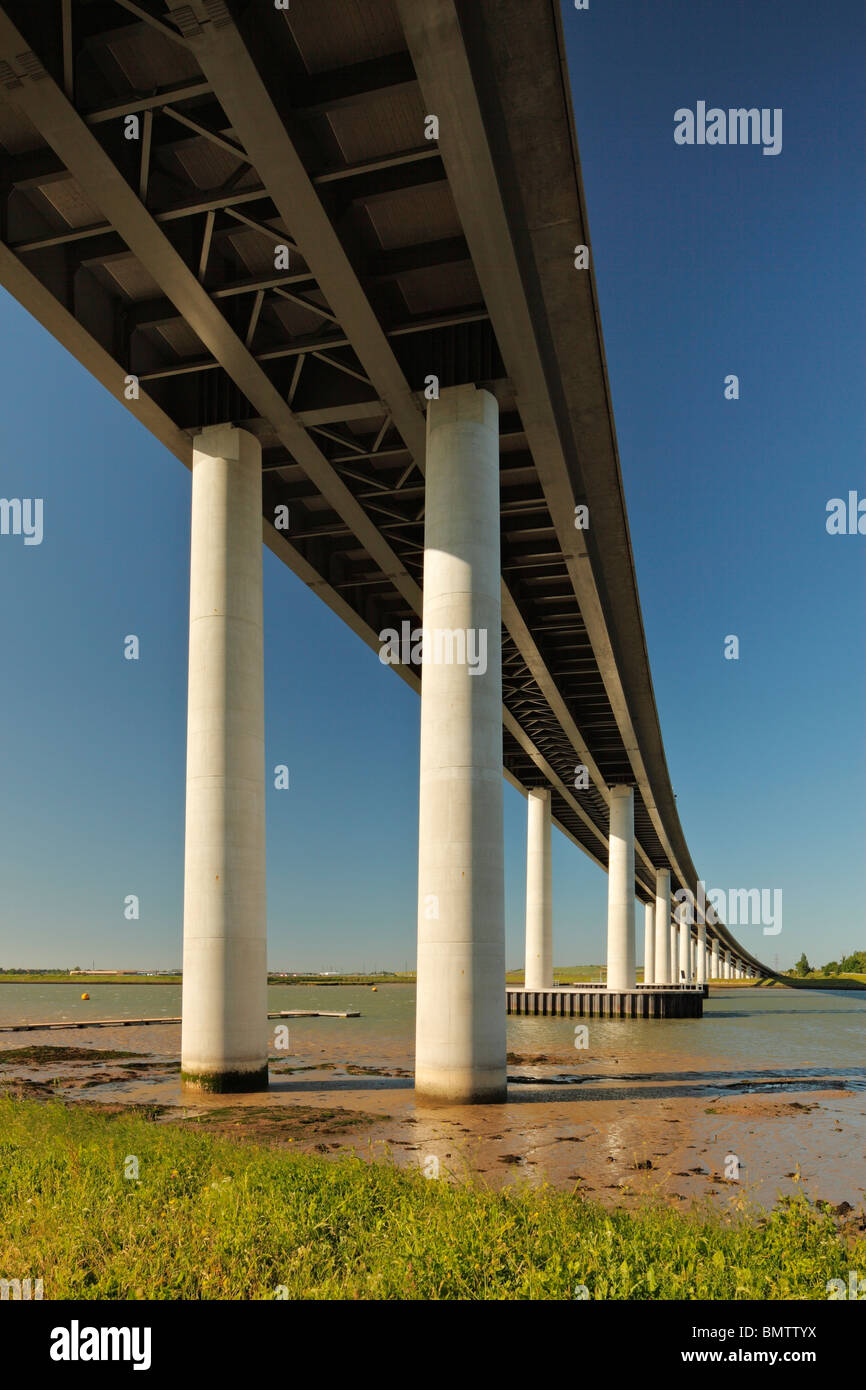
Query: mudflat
x=685, y=1111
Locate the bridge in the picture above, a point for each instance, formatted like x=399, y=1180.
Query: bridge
x=335, y=257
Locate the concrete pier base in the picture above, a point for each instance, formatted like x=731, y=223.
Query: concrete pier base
x=600, y=1002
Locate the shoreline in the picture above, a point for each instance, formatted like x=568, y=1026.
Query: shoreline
x=833, y=982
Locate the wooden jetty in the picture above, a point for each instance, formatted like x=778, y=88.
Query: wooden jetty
x=317, y=1013
x=147, y=1022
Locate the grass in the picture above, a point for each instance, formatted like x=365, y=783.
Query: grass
x=209, y=1218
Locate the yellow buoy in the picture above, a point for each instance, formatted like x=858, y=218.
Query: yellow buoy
x=85, y=996
x=374, y=988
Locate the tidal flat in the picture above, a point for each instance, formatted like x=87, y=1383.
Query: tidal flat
x=762, y=1099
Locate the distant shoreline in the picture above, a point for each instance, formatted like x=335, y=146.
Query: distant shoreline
x=91, y=980
x=835, y=982
x=178, y=979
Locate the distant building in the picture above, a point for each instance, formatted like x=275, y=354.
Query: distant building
x=76, y=970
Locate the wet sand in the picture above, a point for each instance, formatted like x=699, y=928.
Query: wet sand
x=616, y=1127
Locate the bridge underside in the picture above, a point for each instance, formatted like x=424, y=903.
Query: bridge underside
x=241, y=208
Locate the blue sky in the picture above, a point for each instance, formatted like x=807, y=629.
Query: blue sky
x=710, y=261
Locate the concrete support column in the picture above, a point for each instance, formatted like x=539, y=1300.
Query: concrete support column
x=620, y=890
x=649, y=944
x=539, y=892
x=727, y=965
x=224, y=1031
x=692, y=965
x=675, y=951
x=460, y=1011
x=663, y=936
x=683, y=957
x=701, y=961
x=715, y=970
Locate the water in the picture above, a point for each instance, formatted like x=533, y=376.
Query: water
x=746, y=1028
x=52, y=1003
x=774, y=1076
x=384, y=1031
x=742, y=1030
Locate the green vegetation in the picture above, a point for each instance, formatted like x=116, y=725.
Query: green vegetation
x=40, y=1054
x=381, y=977
x=63, y=977
x=210, y=1218
x=227, y=1082
x=566, y=974
x=53, y=977
x=818, y=981
x=847, y=973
